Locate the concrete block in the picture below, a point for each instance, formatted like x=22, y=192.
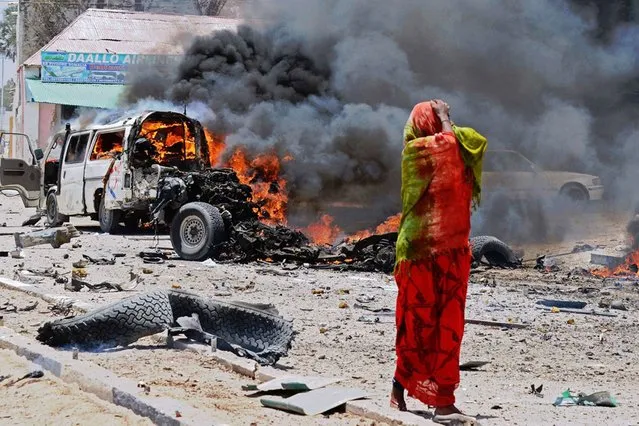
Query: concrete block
x=605, y=259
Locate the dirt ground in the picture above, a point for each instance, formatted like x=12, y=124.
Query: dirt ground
x=584, y=353
x=48, y=401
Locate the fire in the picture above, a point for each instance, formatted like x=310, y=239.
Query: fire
x=628, y=268
x=262, y=174
x=389, y=225
x=171, y=140
x=216, y=146
x=323, y=231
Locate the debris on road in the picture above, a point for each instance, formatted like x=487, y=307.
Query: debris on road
x=254, y=331
x=37, y=374
x=536, y=390
x=315, y=401
x=599, y=399
x=99, y=261
x=54, y=236
x=605, y=259
x=562, y=304
x=493, y=251
x=10, y=307
x=496, y=323
x=77, y=284
x=293, y=383
x=472, y=365
x=594, y=312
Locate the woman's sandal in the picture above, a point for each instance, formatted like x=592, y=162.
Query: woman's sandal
x=455, y=419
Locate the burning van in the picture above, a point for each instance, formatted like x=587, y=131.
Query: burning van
x=154, y=167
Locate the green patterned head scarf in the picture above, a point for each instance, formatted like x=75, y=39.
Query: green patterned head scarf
x=473, y=148
x=424, y=122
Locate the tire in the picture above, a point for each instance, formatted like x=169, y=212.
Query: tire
x=118, y=324
x=109, y=219
x=575, y=194
x=495, y=251
x=260, y=331
x=53, y=214
x=196, y=229
x=253, y=331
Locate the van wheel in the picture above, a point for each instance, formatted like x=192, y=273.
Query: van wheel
x=109, y=219
x=196, y=229
x=53, y=214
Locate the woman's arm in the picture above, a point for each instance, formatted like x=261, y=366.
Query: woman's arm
x=442, y=109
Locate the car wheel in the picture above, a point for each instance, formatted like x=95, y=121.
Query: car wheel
x=109, y=219
x=575, y=194
x=53, y=214
x=196, y=229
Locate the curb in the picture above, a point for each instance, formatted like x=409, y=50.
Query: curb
x=104, y=384
x=364, y=408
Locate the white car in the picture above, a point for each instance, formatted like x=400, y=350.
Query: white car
x=510, y=173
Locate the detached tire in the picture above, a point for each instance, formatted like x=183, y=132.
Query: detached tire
x=493, y=249
x=118, y=324
x=53, y=213
x=196, y=229
x=109, y=219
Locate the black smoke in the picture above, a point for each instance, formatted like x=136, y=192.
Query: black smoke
x=331, y=82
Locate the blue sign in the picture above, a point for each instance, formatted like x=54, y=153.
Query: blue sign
x=96, y=68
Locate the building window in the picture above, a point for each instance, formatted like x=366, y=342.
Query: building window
x=100, y=4
x=139, y=7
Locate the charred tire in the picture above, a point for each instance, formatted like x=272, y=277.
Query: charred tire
x=259, y=330
x=196, y=229
x=493, y=249
x=109, y=219
x=53, y=214
x=117, y=324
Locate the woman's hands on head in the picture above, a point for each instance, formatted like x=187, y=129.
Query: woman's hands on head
x=441, y=108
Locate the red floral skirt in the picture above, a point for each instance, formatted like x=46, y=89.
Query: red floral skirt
x=430, y=324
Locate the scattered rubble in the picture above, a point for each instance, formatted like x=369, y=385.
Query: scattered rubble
x=54, y=236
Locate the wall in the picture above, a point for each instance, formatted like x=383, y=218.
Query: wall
x=27, y=114
x=47, y=122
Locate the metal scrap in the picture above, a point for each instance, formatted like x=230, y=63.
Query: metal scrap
x=77, y=284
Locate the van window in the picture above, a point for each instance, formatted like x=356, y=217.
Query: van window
x=77, y=149
x=107, y=145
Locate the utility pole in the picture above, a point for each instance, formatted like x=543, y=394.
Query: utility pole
x=2, y=97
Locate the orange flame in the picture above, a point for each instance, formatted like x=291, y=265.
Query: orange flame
x=628, y=268
x=171, y=140
x=216, y=145
x=389, y=225
x=323, y=231
x=262, y=174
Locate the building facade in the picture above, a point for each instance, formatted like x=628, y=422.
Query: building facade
x=85, y=66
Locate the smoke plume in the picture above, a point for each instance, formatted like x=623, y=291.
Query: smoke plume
x=331, y=82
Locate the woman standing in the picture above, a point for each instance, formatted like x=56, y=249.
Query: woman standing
x=441, y=177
